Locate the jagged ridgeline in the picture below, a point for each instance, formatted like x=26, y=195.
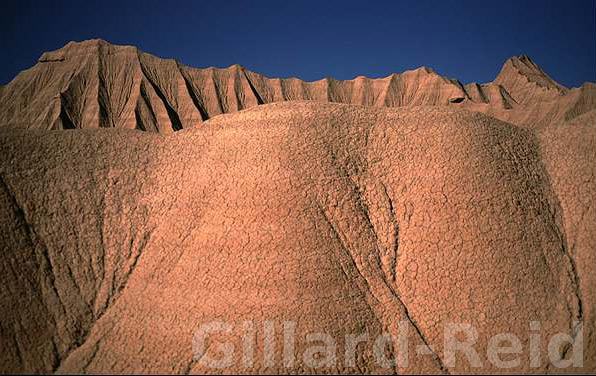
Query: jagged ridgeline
x=96, y=84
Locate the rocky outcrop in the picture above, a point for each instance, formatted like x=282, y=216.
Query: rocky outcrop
x=94, y=84
x=527, y=82
x=586, y=98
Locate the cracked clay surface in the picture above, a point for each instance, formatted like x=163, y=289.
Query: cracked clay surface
x=116, y=244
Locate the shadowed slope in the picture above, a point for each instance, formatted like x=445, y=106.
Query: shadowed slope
x=342, y=219
x=569, y=155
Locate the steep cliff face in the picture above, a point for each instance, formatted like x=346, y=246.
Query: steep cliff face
x=527, y=82
x=95, y=84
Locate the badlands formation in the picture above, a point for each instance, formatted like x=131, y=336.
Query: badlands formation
x=404, y=206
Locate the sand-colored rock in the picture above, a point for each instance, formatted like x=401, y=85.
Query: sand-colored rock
x=95, y=84
x=527, y=82
x=340, y=218
x=413, y=202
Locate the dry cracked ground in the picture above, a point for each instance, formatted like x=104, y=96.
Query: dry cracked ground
x=433, y=223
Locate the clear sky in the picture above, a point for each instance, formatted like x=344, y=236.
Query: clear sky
x=468, y=40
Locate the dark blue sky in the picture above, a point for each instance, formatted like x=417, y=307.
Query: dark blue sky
x=468, y=40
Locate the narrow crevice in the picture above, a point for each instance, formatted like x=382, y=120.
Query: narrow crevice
x=105, y=119
x=236, y=85
x=481, y=92
x=580, y=314
x=55, y=357
x=393, y=289
x=90, y=359
x=144, y=99
x=17, y=349
x=395, y=225
x=50, y=60
x=435, y=356
x=395, y=294
x=328, y=90
x=193, y=96
x=217, y=91
x=139, y=121
x=172, y=114
x=343, y=243
x=253, y=89
x=64, y=118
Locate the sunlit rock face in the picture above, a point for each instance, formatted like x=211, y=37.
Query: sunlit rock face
x=409, y=224
x=95, y=84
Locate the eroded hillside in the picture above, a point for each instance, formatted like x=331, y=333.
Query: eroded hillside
x=118, y=244
x=95, y=84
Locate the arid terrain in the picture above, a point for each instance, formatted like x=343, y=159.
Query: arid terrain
x=141, y=198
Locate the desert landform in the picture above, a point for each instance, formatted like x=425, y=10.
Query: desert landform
x=141, y=198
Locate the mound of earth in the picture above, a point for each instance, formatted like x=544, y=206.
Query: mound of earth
x=118, y=245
